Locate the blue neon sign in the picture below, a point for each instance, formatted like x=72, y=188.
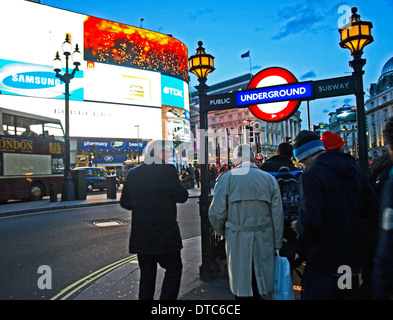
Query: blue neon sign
x=292, y=91
x=25, y=79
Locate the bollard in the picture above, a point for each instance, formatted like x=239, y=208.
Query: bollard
x=53, y=192
x=79, y=178
x=111, y=187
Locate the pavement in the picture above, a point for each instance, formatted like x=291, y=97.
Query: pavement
x=121, y=281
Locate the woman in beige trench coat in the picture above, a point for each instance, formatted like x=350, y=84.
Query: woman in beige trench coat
x=247, y=209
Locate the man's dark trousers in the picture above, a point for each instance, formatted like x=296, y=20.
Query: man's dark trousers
x=172, y=264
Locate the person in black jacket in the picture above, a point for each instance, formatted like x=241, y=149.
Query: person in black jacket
x=383, y=275
x=333, y=142
x=282, y=162
x=151, y=192
x=336, y=204
x=380, y=172
x=281, y=159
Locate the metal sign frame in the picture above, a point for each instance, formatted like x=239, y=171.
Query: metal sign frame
x=313, y=90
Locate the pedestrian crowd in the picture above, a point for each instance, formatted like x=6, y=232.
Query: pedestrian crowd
x=310, y=203
x=341, y=230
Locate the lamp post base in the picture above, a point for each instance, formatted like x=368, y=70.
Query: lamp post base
x=208, y=269
x=68, y=189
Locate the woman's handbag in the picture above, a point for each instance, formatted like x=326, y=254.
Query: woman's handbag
x=283, y=288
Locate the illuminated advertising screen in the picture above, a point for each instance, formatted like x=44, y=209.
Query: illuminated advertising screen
x=127, y=73
x=346, y=114
x=115, y=43
x=19, y=78
x=112, y=145
x=33, y=33
x=122, y=85
x=173, y=92
x=94, y=119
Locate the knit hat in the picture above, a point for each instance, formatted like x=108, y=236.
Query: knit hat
x=331, y=141
x=306, y=144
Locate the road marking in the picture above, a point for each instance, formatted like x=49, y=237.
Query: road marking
x=71, y=289
x=68, y=291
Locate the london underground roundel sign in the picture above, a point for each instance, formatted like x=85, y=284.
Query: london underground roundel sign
x=282, y=109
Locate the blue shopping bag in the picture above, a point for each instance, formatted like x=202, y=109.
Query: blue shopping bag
x=283, y=287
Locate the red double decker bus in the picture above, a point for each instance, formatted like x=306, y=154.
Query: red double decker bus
x=31, y=155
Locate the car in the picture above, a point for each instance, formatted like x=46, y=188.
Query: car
x=96, y=178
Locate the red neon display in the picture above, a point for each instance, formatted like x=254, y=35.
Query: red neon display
x=115, y=43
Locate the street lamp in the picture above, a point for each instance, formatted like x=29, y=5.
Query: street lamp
x=201, y=64
x=68, y=192
x=355, y=35
x=137, y=140
x=228, y=139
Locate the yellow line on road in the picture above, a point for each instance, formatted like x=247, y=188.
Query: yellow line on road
x=67, y=292
x=71, y=289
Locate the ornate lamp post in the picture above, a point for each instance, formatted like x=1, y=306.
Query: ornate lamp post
x=137, y=140
x=201, y=64
x=68, y=192
x=355, y=35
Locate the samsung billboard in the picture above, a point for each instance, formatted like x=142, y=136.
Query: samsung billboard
x=27, y=79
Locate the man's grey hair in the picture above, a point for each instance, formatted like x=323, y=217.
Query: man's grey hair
x=155, y=148
x=243, y=152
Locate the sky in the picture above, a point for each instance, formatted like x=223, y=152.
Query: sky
x=298, y=35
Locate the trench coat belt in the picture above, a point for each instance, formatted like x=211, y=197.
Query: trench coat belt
x=235, y=227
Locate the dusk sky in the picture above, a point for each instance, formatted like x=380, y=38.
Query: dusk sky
x=301, y=36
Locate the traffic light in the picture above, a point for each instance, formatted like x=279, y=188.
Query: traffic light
x=236, y=141
x=315, y=128
x=92, y=152
x=251, y=132
x=259, y=148
x=128, y=153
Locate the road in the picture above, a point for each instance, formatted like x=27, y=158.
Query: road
x=70, y=243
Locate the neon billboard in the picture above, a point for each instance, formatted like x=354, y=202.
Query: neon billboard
x=115, y=43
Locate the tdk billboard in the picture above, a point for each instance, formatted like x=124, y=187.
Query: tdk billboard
x=172, y=92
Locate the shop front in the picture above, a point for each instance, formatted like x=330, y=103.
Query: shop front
x=110, y=153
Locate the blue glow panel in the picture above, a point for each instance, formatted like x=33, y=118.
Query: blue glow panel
x=292, y=91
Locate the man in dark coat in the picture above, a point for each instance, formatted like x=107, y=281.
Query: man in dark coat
x=336, y=204
x=281, y=159
x=380, y=172
x=282, y=162
x=151, y=192
x=383, y=275
x=333, y=142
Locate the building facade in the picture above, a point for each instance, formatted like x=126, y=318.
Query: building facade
x=379, y=108
x=229, y=128
x=343, y=123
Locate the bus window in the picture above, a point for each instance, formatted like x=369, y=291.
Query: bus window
x=28, y=127
x=53, y=131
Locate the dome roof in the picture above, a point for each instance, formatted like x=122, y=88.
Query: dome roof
x=388, y=67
